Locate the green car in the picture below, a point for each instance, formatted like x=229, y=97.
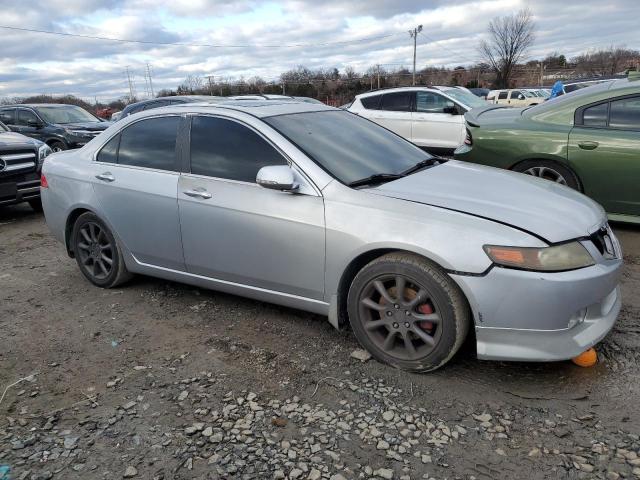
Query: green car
x=588, y=140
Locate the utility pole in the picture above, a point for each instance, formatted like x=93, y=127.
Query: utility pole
x=378, y=76
x=414, y=34
x=130, y=84
x=283, y=88
x=541, y=74
x=209, y=77
x=150, y=81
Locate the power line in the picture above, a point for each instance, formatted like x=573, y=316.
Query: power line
x=447, y=49
x=208, y=45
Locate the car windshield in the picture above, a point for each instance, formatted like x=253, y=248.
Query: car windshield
x=466, y=98
x=347, y=146
x=66, y=114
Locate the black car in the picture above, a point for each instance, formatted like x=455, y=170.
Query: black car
x=21, y=160
x=59, y=126
x=163, y=102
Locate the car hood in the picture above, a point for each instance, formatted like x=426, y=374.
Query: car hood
x=90, y=126
x=550, y=211
x=17, y=140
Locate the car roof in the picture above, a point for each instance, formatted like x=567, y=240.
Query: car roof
x=257, y=108
x=404, y=89
x=35, y=105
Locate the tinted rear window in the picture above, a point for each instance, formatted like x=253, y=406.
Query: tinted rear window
x=150, y=143
x=371, y=103
x=625, y=113
x=595, y=116
x=396, y=102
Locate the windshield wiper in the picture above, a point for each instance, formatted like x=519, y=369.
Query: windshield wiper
x=427, y=162
x=376, y=178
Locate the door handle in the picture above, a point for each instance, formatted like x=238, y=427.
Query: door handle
x=588, y=145
x=106, y=177
x=198, y=193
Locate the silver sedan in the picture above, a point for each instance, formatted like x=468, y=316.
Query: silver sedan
x=318, y=209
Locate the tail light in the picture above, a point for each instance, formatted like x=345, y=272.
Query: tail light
x=468, y=139
x=43, y=182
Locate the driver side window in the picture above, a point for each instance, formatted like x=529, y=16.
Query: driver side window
x=24, y=116
x=428, y=102
x=227, y=149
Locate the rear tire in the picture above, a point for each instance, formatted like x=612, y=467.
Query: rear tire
x=36, y=204
x=97, y=252
x=418, y=330
x=549, y=170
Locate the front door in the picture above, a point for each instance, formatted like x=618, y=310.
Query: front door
x=604, y=150
x=236, y=231
x=28, y=123
x=135, y=178
x=432, y=127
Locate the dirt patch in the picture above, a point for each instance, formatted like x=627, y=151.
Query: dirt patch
x=273, y=392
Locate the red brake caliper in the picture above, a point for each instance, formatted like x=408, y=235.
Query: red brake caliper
x=426, y=309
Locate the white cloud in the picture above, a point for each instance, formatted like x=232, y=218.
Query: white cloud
x=39, y=63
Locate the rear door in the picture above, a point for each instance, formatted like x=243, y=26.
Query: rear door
x=236, y=231
x=604, y=150
x=503, y=97
x=394, y=113
x=432, y=126
x=135, y=179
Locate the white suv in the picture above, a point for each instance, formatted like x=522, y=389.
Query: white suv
x=430, y=117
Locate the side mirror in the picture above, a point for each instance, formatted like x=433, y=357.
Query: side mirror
x=451, y=108
x=520, y=97
x=277, y=177
x=34, y=123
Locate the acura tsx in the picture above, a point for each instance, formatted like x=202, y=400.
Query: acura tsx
x=315, y=208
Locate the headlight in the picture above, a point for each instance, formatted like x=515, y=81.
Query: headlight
x=79, y=133
x=43, y=152
x=568, y=256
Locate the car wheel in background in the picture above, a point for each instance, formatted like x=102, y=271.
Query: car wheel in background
x=552, y=171
x=58, y=146
x=97, y=252
x=36, y=204
x=407, y=312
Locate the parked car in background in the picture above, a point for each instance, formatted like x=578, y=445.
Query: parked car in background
x=588, y=140
x=21, y=159
x=430, y=117
x=316, y=208
x=514, y=97
x=165, y=102
x=539, y=92
x=115, y=116
x=480, y=92
x=59, y=126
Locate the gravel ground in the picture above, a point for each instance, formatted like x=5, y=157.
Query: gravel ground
x=158, y=380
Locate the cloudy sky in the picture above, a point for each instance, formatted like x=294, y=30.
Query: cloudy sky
x=255, y=37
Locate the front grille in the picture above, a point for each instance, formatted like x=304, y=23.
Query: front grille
x=18, y=161
x=603, y=241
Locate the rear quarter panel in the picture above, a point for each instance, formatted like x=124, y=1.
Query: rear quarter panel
x=507, y=144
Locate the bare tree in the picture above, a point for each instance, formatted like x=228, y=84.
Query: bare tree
x=509, y=39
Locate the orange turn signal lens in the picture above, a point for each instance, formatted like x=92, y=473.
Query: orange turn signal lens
x=506, y=255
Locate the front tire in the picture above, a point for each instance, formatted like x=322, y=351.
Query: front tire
x=407, y=312
x=97, y=252
x=58, y=146
x=549, y=170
